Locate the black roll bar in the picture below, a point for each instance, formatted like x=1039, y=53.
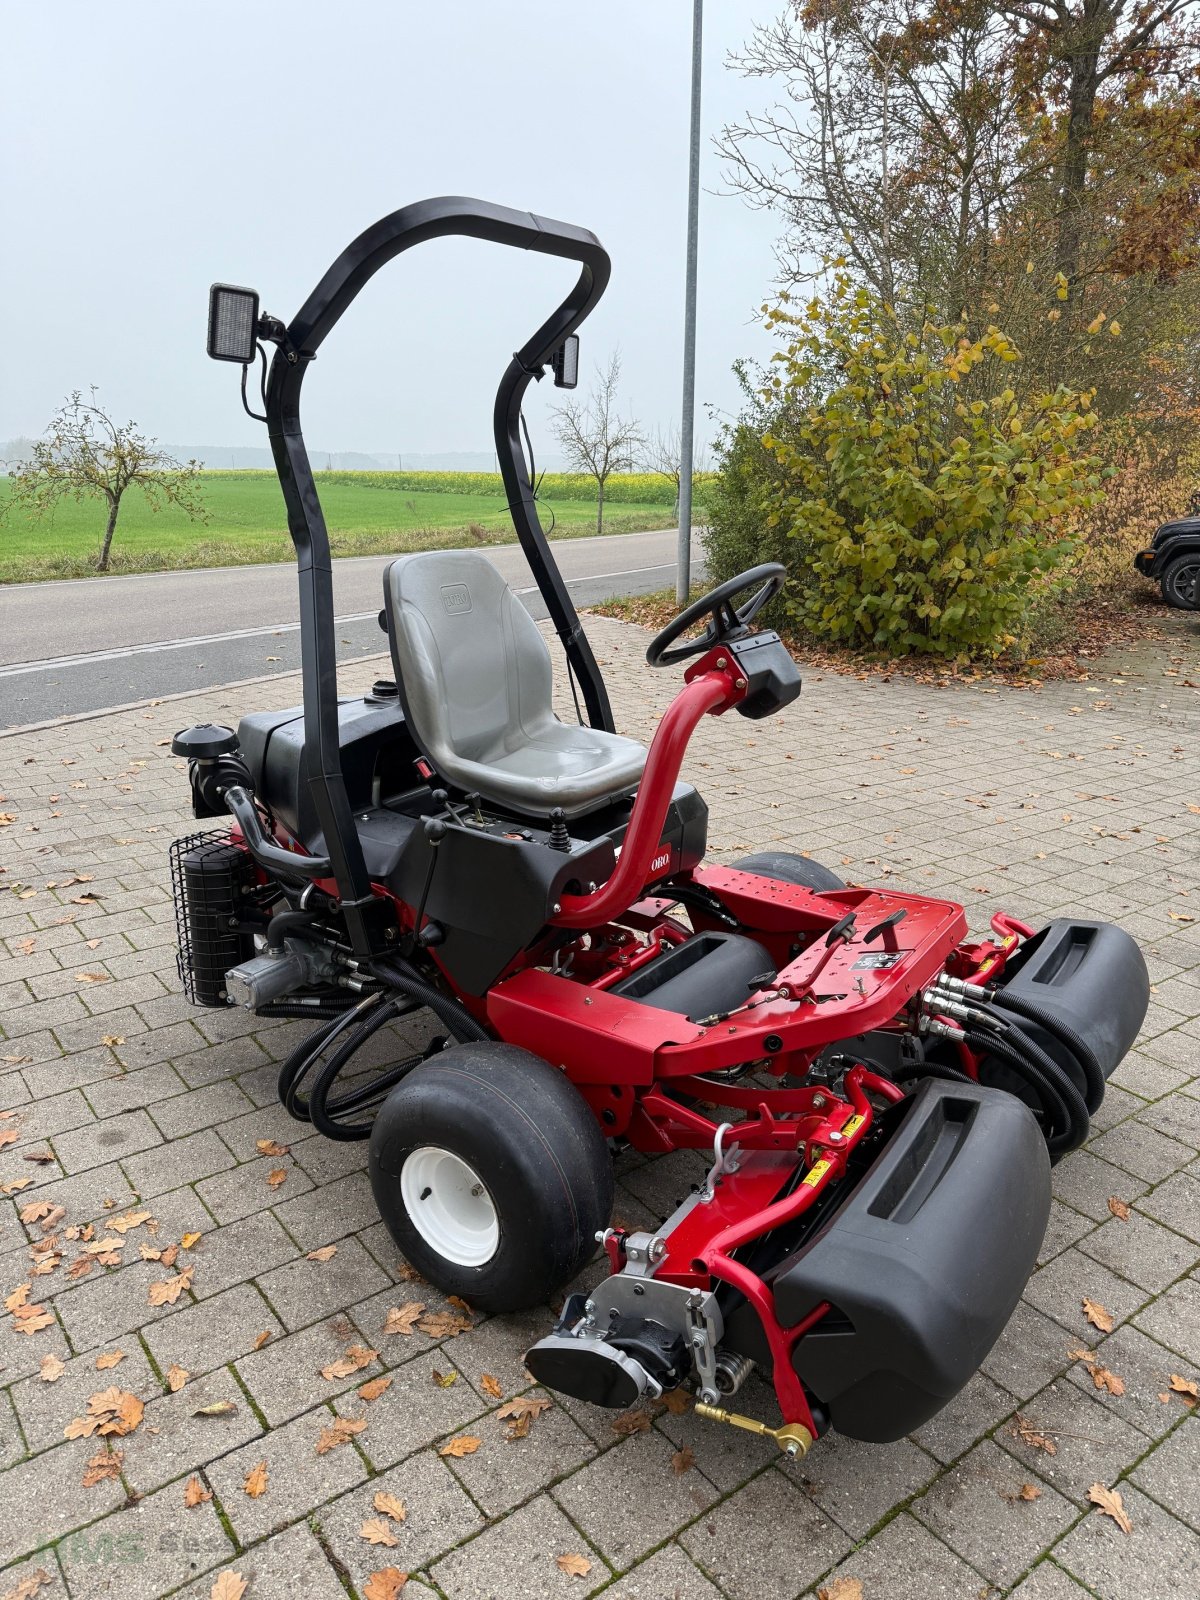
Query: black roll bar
x=367, y=916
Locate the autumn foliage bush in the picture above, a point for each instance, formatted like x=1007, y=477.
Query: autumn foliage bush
x=919, y=504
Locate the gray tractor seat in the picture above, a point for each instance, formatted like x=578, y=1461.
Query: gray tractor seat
x=475, y=677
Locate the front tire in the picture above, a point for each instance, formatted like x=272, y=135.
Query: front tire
x=491, y=1174
x=1181, y=581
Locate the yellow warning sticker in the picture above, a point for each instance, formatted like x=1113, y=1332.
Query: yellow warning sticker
x=816, y=1173
x=854, y=1124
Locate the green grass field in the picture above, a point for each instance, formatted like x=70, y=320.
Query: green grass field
x=368, y=513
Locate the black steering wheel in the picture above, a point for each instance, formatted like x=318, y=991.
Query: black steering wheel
x=726, y=621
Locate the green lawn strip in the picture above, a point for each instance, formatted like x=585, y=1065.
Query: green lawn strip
x=365, y=514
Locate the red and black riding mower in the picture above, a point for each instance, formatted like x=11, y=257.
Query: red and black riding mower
x=882, y=1097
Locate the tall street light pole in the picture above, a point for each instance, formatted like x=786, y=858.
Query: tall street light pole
x=683, y=574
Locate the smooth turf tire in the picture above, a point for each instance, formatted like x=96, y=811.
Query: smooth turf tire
x=519, y=1126
x=1180, y=581
x=785, y=867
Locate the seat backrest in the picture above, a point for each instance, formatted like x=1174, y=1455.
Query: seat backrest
x=471, y=665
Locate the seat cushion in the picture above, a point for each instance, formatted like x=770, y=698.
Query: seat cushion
x=476, y=679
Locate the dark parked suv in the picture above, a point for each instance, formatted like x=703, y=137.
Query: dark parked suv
x=1173, y=559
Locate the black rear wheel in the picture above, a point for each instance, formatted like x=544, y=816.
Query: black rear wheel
x=491, y=1174
x=1181, y=581
x=785, y=867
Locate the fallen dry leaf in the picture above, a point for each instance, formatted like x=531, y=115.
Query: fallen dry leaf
x=491, y=1387
x=131, y=1219
x=1029, y=1491
x=1186, y=1388
x=683, y=1460
x=168, y=1291
x=325, y=1253
x=676, y=1401
x=15, y=1184
x=373, y=1389
x=444, y=1380
x=629, y=1422
x=444, y=1324
x=390, y=1505
x=18, y=1298
x=190, y=1241
x=102, y=1465
x=262, y=1339
x=230, y=1585
x=356, y=1358
x=28, y=1587
x=51, y=1369
x=32, y=1319
x=274, y=1179
x=340, y=1430
x=255, y=1484
x=218, y=1408
x=403, y=1319
x=841, y=1589
x=113, y=1412
x=92, y=977
x=1119, y=1208
x=376, y=1531
x=110, y=1358
x=111, y=1039
x=35, y=1210
x=177, y=1376
x=1107, y=1381
x=1098, y=1316
x=1111, y=1505
x=465, y=1445
x=524, y=1406
x=194, y=1492
x=9, y=1136
x=1030, y=1436
x=271, y=1147
x=385, y=1584
x=574, y=1566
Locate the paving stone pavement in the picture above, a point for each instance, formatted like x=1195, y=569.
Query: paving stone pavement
x=1079, y=797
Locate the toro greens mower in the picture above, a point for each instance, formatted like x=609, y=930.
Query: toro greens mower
x=880, y=1096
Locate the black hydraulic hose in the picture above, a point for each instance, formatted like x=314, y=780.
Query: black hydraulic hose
x=323, y=1112
x=285, y=922
x=399, y=973
x=304, y=1057
x=928, y=1069
x=323, y=1011
x=1093, y=1072
x=1063, y=1105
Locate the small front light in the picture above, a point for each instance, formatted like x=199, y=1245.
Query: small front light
x=232, y=323
x=565, y=362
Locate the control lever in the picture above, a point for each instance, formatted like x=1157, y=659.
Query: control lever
x=881, y=928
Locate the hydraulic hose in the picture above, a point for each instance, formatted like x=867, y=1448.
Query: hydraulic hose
x=1062, y=1103
x=1092, y=1071
x=304, y=1057
x=323, y=1112
x=401, y=975
x=323, y=1011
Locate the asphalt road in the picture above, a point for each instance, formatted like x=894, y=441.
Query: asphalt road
x=85, y=644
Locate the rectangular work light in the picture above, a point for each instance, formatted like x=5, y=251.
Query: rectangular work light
x=565, y=362
x=232, y=323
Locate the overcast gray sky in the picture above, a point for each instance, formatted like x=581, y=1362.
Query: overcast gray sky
x=150, y=149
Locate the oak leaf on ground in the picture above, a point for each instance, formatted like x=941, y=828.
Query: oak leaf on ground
x=325, y=1253
x=403, y=1319
x=575, y=1566
x=465, y=1445
x=1030, y=1435
x=376, y=1531
x=110, y=1358
x=194, y=1492
x=255, y=1484
x=385, y=1584
x=229, y=1586
x=356, y=1358
x=1111, y=1505
x=102, y=1466
x=373, y=1388
x=1098, y=1316
x=1119, y=1208
x=51, y=1369
x=339, y=1431
x=492, y=1387
x=841, y=1589
x=390, y=1505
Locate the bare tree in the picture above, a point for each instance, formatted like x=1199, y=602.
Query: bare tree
x=85, y=454
x=594, y=437
x=662, y=454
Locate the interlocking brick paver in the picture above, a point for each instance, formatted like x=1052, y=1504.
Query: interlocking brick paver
x=980, y=1510
x=1160, y=1557
x=185, y=1096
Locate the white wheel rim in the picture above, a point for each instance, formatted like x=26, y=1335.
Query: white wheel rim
x=449, y=1205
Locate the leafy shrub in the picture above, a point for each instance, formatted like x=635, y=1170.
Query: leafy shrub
x=922, y=503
